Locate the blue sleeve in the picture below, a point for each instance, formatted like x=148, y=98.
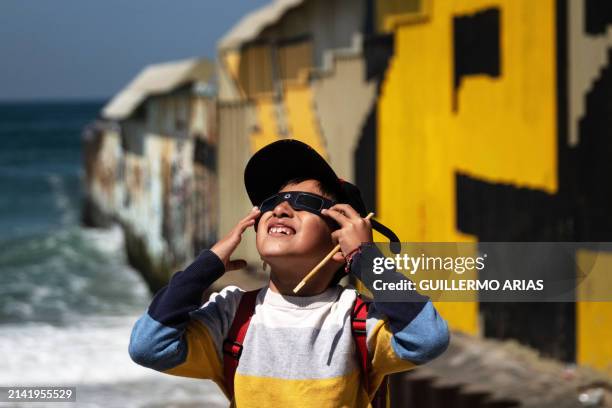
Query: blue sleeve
x=419, y=333
x=157, y=340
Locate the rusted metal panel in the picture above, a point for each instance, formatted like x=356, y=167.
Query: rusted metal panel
x=177, y=192
x=147, y=174
x=255, y=74
x=293, y=58
x=270, y=62
x=329, y=25
x=104, y=185
x=235, y=125
x=341, y=123
x=205, y=206
x=299, y=38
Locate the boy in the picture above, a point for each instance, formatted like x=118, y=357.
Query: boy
x=298, y=350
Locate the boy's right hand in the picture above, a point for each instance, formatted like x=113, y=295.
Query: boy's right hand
x=226, y=246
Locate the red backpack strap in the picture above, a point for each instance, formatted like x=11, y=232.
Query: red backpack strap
x=358, y=326
x=232, y=345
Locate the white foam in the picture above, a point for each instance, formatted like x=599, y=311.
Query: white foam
x=92, y=350
x=108, y=240
x=92, y=355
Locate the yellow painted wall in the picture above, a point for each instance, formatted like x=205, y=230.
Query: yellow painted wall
x=594, y=319
x=267, y=126
x=299, y=115
x=295, y=104
x=302, y=122
x=503, y=131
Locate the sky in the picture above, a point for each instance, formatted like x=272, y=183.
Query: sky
x=79, y=49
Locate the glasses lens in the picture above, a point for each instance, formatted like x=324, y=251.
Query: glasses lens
x=308, y=201
x=269, y=203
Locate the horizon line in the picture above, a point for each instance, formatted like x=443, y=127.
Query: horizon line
x=68, y=99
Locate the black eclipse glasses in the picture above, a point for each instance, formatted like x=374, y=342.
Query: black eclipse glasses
x=298, y=200
x=301, y=200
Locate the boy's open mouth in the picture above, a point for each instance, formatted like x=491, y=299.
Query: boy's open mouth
x=277, y=229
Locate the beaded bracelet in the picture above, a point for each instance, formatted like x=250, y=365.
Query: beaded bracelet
x=349, y=258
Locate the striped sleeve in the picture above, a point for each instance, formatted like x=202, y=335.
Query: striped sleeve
x=179, y=336
x=400, y=335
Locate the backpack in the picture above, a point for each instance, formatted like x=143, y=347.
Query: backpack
x=232, y=345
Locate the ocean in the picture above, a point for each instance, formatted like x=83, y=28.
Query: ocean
x=68, y=299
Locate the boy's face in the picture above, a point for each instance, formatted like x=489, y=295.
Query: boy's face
x=285, y=234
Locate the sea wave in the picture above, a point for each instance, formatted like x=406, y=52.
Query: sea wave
x=68, y=299
x=67, y=273
x=91, y=354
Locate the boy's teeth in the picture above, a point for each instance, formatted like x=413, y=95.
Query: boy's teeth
x=281, y=230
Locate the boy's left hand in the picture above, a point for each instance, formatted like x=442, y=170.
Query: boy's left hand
x=353, y=229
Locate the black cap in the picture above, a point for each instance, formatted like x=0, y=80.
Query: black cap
x=275, y=164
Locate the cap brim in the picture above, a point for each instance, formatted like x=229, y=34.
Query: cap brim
x=279, y=162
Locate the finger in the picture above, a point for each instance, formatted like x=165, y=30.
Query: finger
x=254, y=213
x=249, y=220
x=349, y=211
x=344, y=214
x=244, y=225
x=338, y=257
x=236, y=264
x=337, y=216
x=335, y=237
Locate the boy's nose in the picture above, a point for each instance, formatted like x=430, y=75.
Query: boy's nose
x=283, y=209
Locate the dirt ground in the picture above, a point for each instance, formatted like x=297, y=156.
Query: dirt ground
x=510, y=371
